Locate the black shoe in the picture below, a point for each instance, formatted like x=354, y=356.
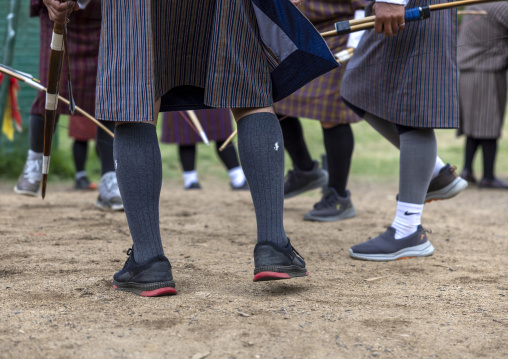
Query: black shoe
x=332, y=207
x=273, y=262
x=150, y=279
x=83, y=183
x=495, y=183
x=193, y=185
x=468, y=176
x=298, y=182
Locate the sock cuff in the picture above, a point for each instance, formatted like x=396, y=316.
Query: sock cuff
x=32, y=155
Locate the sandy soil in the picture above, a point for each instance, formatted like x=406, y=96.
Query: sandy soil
x=58, y=257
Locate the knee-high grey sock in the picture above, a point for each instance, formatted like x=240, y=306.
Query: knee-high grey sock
x=261, y=149
x=418, y=151
x=139, y=173
x=385, y=128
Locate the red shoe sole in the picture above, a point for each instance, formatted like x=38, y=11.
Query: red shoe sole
x=266, y=276
x=152, y=293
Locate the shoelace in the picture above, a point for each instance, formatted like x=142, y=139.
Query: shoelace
x=296, y=252
x=33, y=170
x=129, y=251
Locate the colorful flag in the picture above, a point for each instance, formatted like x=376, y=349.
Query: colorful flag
x=11, y=116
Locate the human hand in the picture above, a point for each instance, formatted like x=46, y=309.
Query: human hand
x=297, y=2
x=58, y=11
x=389, y=18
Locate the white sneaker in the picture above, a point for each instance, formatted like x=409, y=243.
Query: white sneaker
x=29, y=182
x=109, y=193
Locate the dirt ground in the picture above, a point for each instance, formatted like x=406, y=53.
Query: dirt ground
x=58, y=257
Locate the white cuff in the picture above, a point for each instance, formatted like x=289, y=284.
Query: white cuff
x=395, y=2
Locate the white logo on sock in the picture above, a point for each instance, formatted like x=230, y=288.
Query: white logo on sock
x=116, y=164
x=276, y=146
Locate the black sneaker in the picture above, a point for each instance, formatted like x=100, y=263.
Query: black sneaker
x=446, y=185
x=386, y=248
x=83, y=183
x=193, y=185
x=150, y=279
x=298, y=182
x=332, y=207
x=273, y=262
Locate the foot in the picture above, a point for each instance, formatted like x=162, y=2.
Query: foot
x=331, y=208
x=149, y=279
x=298, y=182
x=193, y=185
x=495, y=183
x=446, y=185
x=83, y=183
x=29, y=182
x=386, y=248
x=243, y=187
x=468, y=176
x=109, y=193
x=273, y=262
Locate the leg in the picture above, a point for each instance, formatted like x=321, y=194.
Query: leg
x=489, y=180
x=445, y=182
x=406, y=237
x=109, y=194
x=187, y=155
x=229, y=158
x=336, y=202
x=261, y=149
x=79, y=153
x=29, y=181
x=138, y=163
x=306, y=175
x=469, y=153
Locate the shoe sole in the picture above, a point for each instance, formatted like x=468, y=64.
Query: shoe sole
x=107, y=207
x=348, y=213
x=320, y=182
x=147, y=289
x=267, y=273
x=26, y=193
x=422, y=250
x=450, y=191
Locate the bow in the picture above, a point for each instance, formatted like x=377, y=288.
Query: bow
x=55, y=68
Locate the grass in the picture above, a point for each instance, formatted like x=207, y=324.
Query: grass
x=373, y=158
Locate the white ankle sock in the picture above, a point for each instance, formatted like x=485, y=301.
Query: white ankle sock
x=34, y=155
x=189, y=178
x=80, y=174
x=408, y=218
x=237, y=176
x=437, y=167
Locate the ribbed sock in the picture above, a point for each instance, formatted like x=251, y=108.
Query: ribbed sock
x=471, y=148
x=295, y=144
x=139, y=173
x=261, y=149
x=339, y=145
x=489, y=150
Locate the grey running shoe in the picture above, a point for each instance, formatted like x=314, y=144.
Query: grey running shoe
x=332, y=207
x=109, y=193
x=298, y=182
x=386, y=248
x=29, y=182
x=446, y=185
x=83, y=183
